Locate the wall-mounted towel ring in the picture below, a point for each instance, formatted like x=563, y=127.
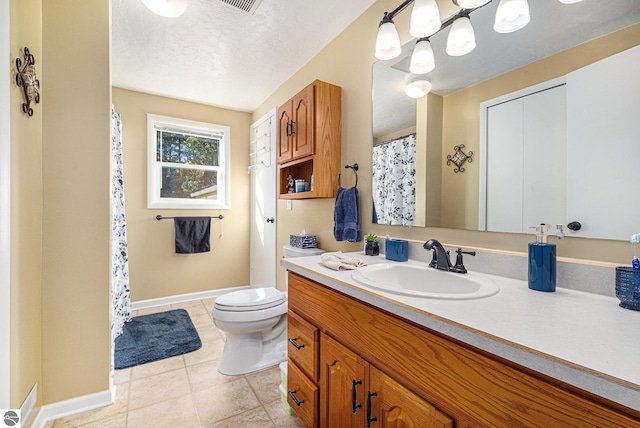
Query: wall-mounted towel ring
x=354, y=167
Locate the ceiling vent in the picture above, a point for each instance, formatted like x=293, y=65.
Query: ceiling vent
x=248, y=6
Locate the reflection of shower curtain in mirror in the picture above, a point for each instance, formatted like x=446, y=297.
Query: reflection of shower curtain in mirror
x=120, y=296
x=394, y=181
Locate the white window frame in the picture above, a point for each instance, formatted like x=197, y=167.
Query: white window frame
x=154, y=167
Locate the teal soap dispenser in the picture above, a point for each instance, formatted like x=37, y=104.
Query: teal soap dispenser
x=542, y=262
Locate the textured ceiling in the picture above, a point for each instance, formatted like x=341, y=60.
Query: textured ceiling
x=219, y=55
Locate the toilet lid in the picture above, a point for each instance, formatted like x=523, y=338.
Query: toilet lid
x=250, y=300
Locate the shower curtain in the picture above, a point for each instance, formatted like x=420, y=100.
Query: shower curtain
x=120, y=296
x=394, y=181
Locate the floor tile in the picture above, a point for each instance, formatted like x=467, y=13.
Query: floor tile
x=120, y=406
x=280, y=418
x=157, y=388
x=205, y=375
x=176, y=412
x=210, y=351
x=225, y=400
x=265, y=384
x=157, y=367
x=121, y=376
x=256, y=418
x=115, y=421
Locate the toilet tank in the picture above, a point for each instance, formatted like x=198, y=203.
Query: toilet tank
x=290, y=251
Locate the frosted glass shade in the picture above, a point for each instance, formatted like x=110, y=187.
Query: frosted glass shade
x=425, y=18
x=166, y=8
x=470, y=4
x=422, y=59
x=388, y=42
x=511, y=16
x=462, y=39
x=417, y=87
x=570, y=1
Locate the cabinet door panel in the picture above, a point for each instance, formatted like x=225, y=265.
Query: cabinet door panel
x=394, y=406
x=343, y=385
x=303, y=111
x=284, y=126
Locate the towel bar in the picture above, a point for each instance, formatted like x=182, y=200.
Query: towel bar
x=354, y=167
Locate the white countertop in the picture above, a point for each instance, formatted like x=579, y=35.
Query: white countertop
x=583, y=339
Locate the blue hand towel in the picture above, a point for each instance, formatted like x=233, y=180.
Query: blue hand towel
x=346, y=215
x=192, y=234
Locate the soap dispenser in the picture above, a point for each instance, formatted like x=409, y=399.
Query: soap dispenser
x=542, y=262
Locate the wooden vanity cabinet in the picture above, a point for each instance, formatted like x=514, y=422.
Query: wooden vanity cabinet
x=412, y=376
x=309, y=140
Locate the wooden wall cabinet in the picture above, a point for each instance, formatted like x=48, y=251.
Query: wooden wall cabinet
x=378, y=370
x=309, y=140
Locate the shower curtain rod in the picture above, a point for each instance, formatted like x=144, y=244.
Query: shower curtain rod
x=159, y=217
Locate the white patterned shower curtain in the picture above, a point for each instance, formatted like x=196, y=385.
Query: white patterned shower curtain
x=120, y=295
x=394, y=181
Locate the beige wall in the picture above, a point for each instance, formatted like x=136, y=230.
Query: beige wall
x=462, y=116
x=76, y=103
x=26, y=211
x=155, y=270
x=346, y=62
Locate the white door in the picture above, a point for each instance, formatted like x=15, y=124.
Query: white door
x=525, y=157
x=263, y=167
x=602, y=141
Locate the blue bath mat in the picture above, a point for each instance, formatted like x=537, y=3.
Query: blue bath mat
x=155, y=337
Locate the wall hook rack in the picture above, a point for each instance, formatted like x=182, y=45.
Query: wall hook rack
x=459, y=158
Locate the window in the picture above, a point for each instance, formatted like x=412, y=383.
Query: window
x=188, y=164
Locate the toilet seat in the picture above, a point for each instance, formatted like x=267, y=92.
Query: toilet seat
x=250, y=300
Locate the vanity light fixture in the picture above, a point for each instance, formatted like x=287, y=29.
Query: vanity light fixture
x=425, y=18
x=166, y=8
x=462, y=39
x=422, y=60
x=471, y=4
x=388, y=41
x=417, y=86
x=511, y=16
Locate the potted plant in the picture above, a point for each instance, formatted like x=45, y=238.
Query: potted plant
x=371, y=247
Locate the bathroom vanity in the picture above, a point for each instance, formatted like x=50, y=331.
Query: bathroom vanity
x=360, y=357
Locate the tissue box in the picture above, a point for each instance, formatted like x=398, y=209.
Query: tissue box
x=303, y=241
x=396, y=250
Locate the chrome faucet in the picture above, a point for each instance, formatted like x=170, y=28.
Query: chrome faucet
x=440, y=258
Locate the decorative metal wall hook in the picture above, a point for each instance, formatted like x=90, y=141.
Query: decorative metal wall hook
x=26, y=78
x=459, y=158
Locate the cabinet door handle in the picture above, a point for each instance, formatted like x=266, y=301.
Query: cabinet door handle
x=292, y=394
x=292, y=340
x=369, y=418
x=355, y=406
x=288, y=129
x=293, y=122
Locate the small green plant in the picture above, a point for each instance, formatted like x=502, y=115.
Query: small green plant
x=371, y=238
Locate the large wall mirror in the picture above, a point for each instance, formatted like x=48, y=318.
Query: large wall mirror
x=587, y=176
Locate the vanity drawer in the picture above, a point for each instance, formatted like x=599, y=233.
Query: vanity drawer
x=302, y=396
x=304, y=345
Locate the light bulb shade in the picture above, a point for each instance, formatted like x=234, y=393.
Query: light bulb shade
x=462, y=39
x=570, y=1
x=470, y=4
x=166, y=8
x=388, y=42
x=417, y=87
x=425, y=18
x=422, y=59
x=511, y=16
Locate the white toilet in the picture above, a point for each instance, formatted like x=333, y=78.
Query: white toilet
x=255, y=324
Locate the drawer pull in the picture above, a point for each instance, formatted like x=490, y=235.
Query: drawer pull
x=355, y=406
x=292, y=394
x=369, y=418
x=292, y=340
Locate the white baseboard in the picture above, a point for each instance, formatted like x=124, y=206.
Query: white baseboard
x=75, y=405
x=28, y=403
x=180, y=298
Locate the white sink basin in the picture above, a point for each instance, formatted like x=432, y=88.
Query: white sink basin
x=427, y=282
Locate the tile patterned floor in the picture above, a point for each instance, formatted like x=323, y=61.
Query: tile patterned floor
x=187, y=390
